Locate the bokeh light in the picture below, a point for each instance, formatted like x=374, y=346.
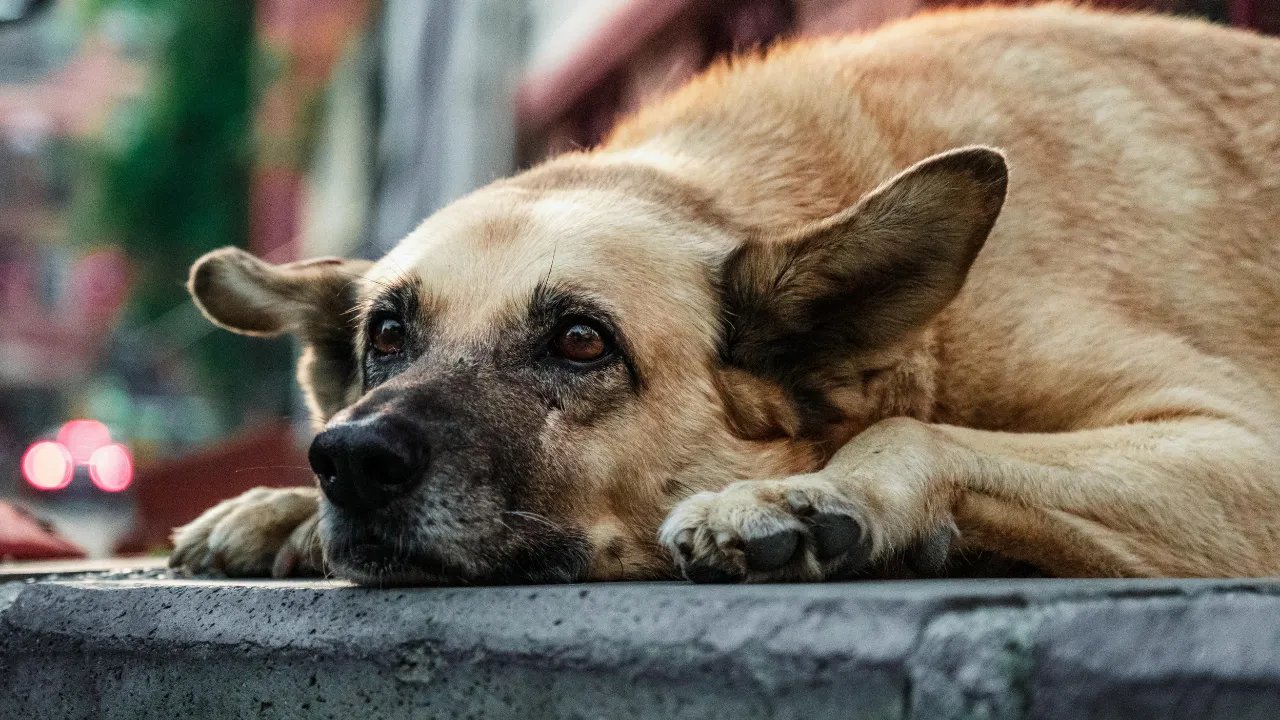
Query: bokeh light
x=48, y=465
x=83, y=437
x=111, y=468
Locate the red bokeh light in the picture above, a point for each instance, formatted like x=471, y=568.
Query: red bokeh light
x=111, y=468
x=83, y=437
x=48, y=465
x=51, y=465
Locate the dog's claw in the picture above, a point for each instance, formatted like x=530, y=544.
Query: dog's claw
x=799, y=502
x=684, y=543
x=771, y=551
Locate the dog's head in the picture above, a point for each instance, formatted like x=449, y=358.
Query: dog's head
x=528, y=382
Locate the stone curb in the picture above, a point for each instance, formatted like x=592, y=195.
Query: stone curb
x=936, y=650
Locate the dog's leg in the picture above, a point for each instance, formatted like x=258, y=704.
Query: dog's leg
x=265, y=532
x=1193, y=496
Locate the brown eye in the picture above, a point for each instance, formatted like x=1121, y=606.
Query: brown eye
x=387, y=336
x=581, y=343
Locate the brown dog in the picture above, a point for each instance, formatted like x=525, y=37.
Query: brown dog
x=772, y=329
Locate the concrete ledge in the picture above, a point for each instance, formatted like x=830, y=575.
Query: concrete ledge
x=133, y=648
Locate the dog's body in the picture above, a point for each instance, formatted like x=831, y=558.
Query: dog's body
x=1102, y=397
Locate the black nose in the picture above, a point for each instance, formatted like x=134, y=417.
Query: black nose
x=365, y=465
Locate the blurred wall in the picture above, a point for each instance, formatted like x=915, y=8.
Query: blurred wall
x=449, y=69
x=637, y=50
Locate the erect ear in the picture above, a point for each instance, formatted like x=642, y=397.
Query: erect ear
x=310, y=298
x=861, y=280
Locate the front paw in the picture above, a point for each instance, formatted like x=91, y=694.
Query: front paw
x=800, y=528
x=265, y=532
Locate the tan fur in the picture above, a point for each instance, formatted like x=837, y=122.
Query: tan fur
x=265, y=531
x=1101, y=398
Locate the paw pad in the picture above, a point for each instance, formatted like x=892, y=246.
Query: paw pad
x=771, y=551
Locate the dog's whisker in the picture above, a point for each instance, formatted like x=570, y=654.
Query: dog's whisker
x=273, y=467
x=622, y=566
x=536, y=518
x=554, y=249
x=682, y=485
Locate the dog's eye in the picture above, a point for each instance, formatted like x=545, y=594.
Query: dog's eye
x=387, y=336
x=581, y=342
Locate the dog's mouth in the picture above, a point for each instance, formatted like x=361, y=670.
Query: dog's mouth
x=377, y=563
x=360, y=553
x=376, y=554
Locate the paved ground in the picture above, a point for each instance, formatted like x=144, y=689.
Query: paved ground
x=149, y=646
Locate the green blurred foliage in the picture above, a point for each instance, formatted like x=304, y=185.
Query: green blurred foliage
x=170, y=178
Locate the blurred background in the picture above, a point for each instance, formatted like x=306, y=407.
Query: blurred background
x=136, y=135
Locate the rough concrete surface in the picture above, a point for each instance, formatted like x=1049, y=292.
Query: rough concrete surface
x=131, y=648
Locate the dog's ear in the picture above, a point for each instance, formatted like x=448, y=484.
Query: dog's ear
x=246, y=295
x=862, y=280
x=311, y=299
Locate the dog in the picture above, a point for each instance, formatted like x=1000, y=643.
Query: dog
x=985, y=284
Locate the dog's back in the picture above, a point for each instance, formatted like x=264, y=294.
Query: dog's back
x=1143, y=219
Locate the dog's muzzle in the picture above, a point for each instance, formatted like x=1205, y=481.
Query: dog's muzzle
x=435, y=478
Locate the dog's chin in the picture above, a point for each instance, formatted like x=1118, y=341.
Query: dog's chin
x=369, y=560
x=378, y=565
x=366, y=559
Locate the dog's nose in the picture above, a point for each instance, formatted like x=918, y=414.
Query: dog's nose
x=365, y=465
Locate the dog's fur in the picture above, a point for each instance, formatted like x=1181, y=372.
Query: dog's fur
x=808, y=390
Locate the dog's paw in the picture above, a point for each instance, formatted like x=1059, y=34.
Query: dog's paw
x=795, y=529
x=800, y=528
x=266, y=532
